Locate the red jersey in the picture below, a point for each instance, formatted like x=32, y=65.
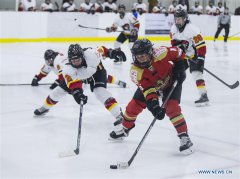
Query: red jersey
x=158, y=76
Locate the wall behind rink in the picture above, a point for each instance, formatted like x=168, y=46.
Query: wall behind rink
x=61, y=27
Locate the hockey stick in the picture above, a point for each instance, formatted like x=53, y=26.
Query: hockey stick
x=24, y=84
x=96, y=28
x=124, y=165
x=233, y=35
x=76, y=151
x=233, y=86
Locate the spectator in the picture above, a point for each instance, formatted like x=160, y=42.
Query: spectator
x=237, y=11
x=159, y=9
x=47, y=6
x=69, y=6
x=197, y=9
x=140, y=7
x=219, y=8
x=173, y=7
x=27, y=5
x=182, y=5
x=87, y=7
x=210, y=8
x=110, y=6
x=98, y=6
x=151, y=4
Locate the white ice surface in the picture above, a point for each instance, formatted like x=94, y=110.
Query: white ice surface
x=29, y=145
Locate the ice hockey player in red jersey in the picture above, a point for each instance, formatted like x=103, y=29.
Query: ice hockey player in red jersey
x=130, y=26
x=53, y=65
x=154, y=71
x=188, y=37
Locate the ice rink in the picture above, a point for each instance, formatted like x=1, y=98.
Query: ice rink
x=30, y=145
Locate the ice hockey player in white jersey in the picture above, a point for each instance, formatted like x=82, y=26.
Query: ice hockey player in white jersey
x=188, y=37
x=55, y=61
x=130, y=26
x=50, y=65
x=87, y=65
x=52, y=61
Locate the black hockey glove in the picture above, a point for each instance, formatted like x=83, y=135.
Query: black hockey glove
x=35, y=81
x=199, y=62
x=134, y=32
x=55, y=84
x=79, y=96
x=118, y=55
x=179, y=73
x=155, y=109
x=182, y=44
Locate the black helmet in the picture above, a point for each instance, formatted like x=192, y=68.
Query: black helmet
x=49, y=56
x=121, y=10
x=141, y=47
x=122, y=6
x=184, y=15
x=75, y=51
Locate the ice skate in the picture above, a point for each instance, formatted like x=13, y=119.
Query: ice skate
x=185, y=144
x=122, y=84
x=119, y=134
x=203, y=100
x=42, y=110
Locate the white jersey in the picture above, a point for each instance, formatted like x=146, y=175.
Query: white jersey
x=112, y=6
x=69, y=7
x=220, y=9
x=58, y=64
x=85, y=7
x=142, y=6
x=126, y=23
x=172, y=8
x=197, y=9
x=27, y=4
x=45, y=6
x=92, y=58
x=180, y=6
x=210, y=10
x=191, y=34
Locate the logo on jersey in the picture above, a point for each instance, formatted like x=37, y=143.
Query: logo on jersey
x=134, y=75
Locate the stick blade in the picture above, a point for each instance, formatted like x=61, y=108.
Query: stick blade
x=235, y=85
x=67, y=154
x=120, y=165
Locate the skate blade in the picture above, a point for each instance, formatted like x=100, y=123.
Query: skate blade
x=202, y=104
x=188, y=151
x=120, y=139
x=67, y=154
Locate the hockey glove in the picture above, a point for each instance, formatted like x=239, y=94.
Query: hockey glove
x=199, y=62
x=111, y=29
x=79, y=96
x=182, y=44
x=118, y=55
x=155, y=109
x=55, y=84
x=35, y=81
x=134, y=32
x=179, y=73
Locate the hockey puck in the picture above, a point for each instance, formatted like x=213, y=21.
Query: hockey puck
x=113, y=166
